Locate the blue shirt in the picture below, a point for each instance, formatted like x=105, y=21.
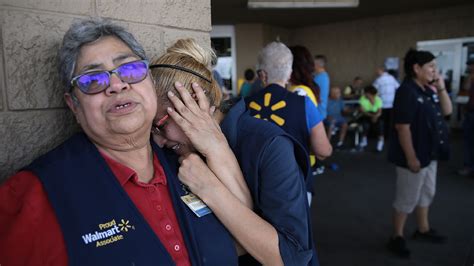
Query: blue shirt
x=245, y=89
x=218, y=78
x=313, y=116
x=335, y=107
x=322, y=79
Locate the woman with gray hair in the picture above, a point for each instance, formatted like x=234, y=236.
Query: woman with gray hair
x=107, y=195
x=297, y=115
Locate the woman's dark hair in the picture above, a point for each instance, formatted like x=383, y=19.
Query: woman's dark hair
x=370, y=90
x=414, y=57
x=303, y=67
x=249, y=74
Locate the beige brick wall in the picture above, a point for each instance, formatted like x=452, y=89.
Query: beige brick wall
x=33, y=117
x=357, y=47
x=250, y=39
x=246, y=50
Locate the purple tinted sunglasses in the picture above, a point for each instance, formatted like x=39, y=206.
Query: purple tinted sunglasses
x=94, y=82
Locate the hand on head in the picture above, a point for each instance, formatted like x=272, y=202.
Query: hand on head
x=195, y=118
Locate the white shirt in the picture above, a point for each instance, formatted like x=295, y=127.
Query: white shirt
x=386, y=86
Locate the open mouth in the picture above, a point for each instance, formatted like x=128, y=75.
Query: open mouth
x=121, y=106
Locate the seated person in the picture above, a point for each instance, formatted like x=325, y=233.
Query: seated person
x=335, y=116
x=354, y=90
x=371, y=110
x=247, y=85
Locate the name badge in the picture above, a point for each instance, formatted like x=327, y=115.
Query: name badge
x=196, y=204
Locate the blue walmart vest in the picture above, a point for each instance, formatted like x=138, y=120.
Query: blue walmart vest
x=248, y=148
x=102, y=226
x=283, y=108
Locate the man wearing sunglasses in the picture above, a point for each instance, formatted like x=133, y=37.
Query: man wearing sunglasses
x=107, y=195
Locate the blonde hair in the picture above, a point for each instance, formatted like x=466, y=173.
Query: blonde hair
x=186, y=62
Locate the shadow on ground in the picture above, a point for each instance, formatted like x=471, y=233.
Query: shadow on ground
x=351, y=213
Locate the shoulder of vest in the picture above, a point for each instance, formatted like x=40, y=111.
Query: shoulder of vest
x=68, y=150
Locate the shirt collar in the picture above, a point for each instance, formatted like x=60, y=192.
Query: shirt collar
x=425, y=90
x=229, y=123
x=124, y=173
x=274, y=85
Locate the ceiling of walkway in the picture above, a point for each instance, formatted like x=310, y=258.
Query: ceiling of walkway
x=235, y=12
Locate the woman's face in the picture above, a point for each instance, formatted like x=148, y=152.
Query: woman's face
x=426, y=73
x=122, y=114
x=169, y=134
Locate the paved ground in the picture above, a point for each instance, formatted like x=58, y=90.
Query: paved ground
x=352, y=213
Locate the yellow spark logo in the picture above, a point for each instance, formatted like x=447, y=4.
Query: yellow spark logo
x=124, y=225
x=266, y=103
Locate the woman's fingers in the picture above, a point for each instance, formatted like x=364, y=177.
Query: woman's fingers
x=201, y=97
x=178, y=119
x=187, y=99
x=179, y=106
x=194, y=173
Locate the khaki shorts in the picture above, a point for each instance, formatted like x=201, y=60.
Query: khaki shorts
x=415, y=189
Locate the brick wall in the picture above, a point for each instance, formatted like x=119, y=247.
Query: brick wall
x=358, y=47
x=33, y=116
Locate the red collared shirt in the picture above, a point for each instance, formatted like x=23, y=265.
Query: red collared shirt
x=30, y=233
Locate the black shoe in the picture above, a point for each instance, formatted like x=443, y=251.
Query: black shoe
x=397, y=245
x=430, y=236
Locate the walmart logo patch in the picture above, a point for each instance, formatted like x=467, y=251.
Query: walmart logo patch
x=266, y=106
x=108, y=233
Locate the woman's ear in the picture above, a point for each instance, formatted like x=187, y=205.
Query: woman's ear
x=71, y=101
x=73, y=104
x=416, y=69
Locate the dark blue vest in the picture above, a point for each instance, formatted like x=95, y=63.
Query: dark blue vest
x=248, y=146
x=283, y=108
x=102, y=226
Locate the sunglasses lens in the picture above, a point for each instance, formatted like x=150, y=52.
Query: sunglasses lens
x=95, y=82
x=133, y=72
x=91, y=83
